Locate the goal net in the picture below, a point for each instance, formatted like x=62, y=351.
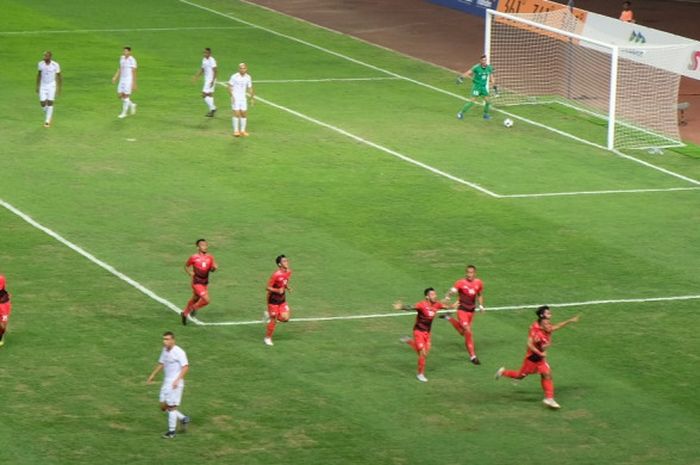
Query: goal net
x=614, y=96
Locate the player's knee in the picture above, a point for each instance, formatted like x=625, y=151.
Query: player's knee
x=283, y=317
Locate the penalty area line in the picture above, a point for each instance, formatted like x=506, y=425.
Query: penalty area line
x=105, y=266
x=490, y=309
x=144, y=29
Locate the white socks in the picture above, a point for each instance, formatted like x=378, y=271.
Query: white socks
x=210, y=103
x=172, y=420
x=235, y=124
x=179, y=414
x=49, y=113
x=126, y=103
x=243, y=124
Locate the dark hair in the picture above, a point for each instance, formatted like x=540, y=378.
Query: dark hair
x=626, y=3
x=425, y=292
x=278, y=259
x=169, y=333
x=540, y=312
x=199, y=240
x=207, y=49
x=483, y=56
x=471, y=266
x=126, y=47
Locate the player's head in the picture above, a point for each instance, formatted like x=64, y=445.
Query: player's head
x=207, y=52
x=282, y=262
x=626, y=5
x=483, y=60
x=47, y=56
x=242, y=68
x=2, y=282
x=127, y=51
x=546, y=325
x=470, y=271
x=168, y=339
x=430, y=294
x=202, y=245
x=543, y=313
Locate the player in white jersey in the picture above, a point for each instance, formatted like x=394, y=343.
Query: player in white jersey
x=209, y=70
x=240, y=87
x=127, y=82
x=48, y=85
x=173, y=362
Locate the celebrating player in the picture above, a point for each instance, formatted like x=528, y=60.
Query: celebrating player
x=127, y=82
x=209, y=70
x=5, y=309
x=470, y=290
x=481, y=75
x=427, y=309
x=277, y=287
x=48, y=85
x=538, y=340
x=240, y=87
x=198, y=266
x=173, y=361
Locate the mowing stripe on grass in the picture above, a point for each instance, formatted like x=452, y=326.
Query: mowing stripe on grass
x=490, y=309
x=436, y=89
x=109, y=268
x=284, y=81
x=145, y=29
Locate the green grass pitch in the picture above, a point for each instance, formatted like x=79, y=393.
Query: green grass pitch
x=361, y=227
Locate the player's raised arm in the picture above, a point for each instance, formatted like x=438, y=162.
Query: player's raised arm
x=564, y=323
x=399, y=305
x=155, y=371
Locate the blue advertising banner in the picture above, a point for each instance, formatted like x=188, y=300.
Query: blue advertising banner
x=473, y=7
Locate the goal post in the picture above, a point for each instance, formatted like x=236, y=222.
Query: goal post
x=624, y=96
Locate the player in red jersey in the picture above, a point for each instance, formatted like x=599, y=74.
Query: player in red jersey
x=470, y=291
x=5, y=309
x=538, y=340
x=198, y=266
x=277, y=287
x=427, y=309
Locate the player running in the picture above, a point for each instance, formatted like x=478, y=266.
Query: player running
x=427, y=309
x=48, y=85
x=481, y=75
x=277, y=308
x=470, y=291
x=198, y=266
x=538, y=340
x=5, y=309
x=209, y=70
x=240, y=87
x=173, y=361
x=127, y=82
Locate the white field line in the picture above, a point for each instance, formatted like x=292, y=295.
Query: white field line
x=431, y=87
x=617, y=191
x=284, y=81
x=109, y=268
x=489, y=309
x=145, y=29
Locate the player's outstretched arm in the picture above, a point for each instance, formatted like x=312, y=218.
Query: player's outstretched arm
x=564, y=323
x=399, y=305
x=155, y=371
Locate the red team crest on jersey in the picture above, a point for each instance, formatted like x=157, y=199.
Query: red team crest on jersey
x=202, y=265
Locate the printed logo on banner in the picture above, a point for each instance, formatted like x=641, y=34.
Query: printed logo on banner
x=694, y=60
x=637, y=38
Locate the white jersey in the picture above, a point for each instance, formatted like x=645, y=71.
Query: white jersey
x=208, y=65
x=173, y=360
x=48, y=72
x=239, y=85
x=125, y=67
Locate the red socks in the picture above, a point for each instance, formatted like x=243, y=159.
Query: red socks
x=421, y=364
x=469, y=343
x=271, y=327
x=548, y=388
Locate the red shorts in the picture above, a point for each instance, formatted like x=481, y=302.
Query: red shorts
x=465, y=317
x=530, y=368
x=5, y=310
x=422, y=340
x=199, y=289
x=276, y=309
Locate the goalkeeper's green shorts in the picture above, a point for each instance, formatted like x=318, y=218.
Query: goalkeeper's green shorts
x=479, y=91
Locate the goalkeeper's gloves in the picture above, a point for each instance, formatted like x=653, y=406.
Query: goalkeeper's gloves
x=495, y=91
x=460, y=79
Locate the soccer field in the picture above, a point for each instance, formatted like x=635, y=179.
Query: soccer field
x=357, y=169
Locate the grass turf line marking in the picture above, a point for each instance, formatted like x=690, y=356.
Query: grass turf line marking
x=284, y=81
x=146, y=29
x=109, y=268
x=617, y=191
x=436, y=89
x=490, y=309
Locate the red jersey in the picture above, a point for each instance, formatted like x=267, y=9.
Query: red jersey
x=4, y=295
x=278, y=280
x=468, y=291
x=202, y=264
x=426, y=314
x=541, y=340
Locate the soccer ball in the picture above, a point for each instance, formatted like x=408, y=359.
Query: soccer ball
x=508, y=123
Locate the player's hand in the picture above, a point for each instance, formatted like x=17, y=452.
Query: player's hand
x=398, y=305
x=460, y=79
x=176, y=383
x=482, y=309
x=114, y=80
x=574, y=319
x=495, y=91
x=149, y=380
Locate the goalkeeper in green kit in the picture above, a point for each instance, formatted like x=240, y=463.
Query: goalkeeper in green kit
x=481, y=75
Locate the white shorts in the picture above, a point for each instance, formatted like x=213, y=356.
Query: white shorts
x=47, y=92
x=170, y=396
x=124, y=87
x=207, y=89
x=239, y=104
